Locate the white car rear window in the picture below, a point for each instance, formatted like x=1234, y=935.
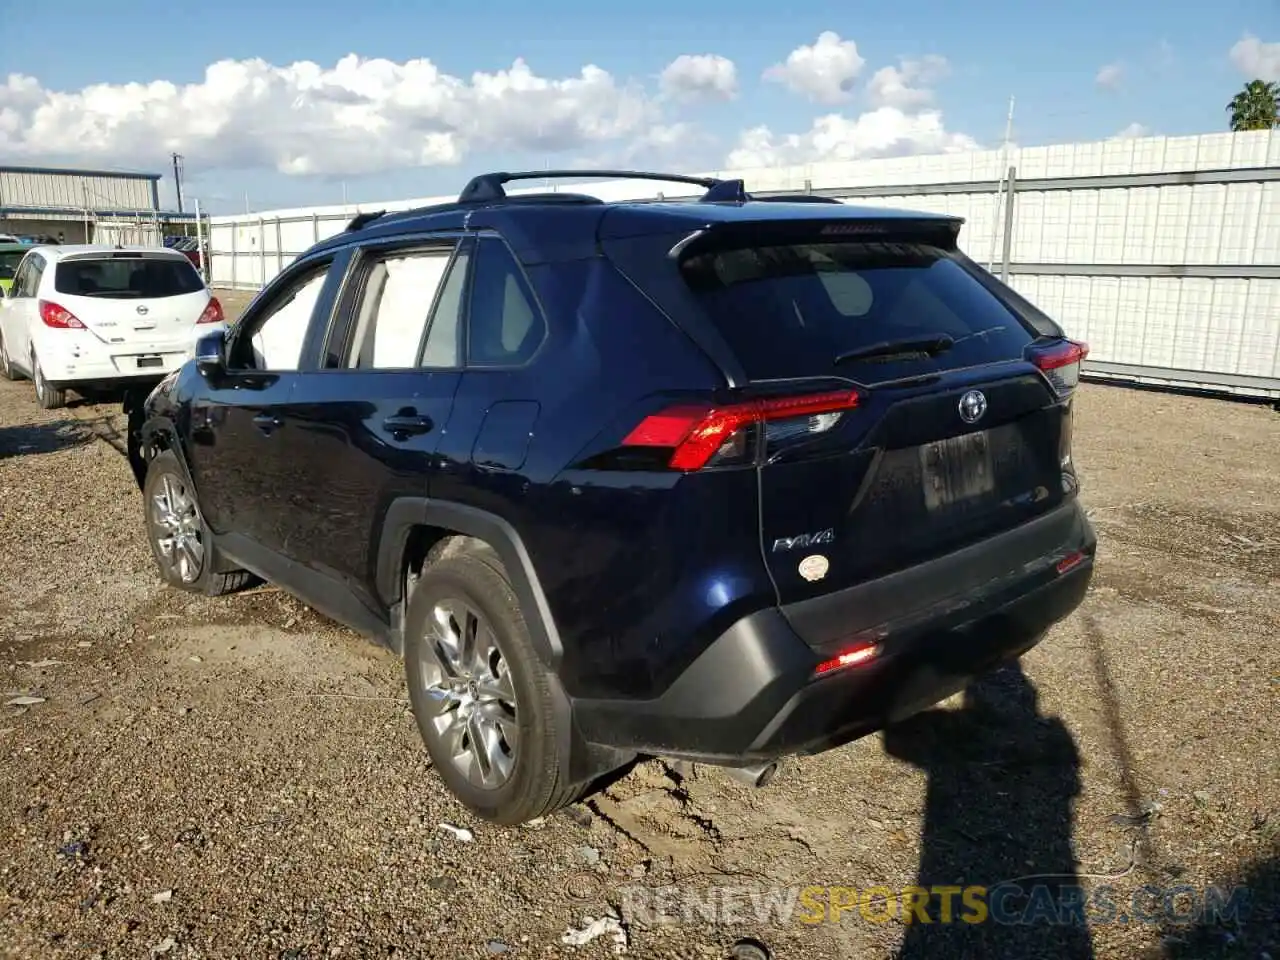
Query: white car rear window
x=127, y=278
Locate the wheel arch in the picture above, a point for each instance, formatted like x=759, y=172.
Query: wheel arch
x=148, y=436
x=403, y=526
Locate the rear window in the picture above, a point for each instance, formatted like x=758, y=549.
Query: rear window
x=127, y=278
x=9, y=263
x=790, y=310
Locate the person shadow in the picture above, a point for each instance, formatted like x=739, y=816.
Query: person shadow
x=998, y=815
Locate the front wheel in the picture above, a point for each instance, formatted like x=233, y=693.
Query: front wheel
x=180, y=542
x=479, y=693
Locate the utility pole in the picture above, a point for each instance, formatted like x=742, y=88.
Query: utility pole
x=177, y=178
x=1004, y=166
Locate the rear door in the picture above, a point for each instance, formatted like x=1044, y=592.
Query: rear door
x=143, y=305
x=922, y=426
x=364, y=427
x=21, y=311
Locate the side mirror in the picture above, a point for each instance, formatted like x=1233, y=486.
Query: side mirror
x=211, y=354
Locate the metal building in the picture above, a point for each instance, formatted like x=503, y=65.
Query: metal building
x=73, y=205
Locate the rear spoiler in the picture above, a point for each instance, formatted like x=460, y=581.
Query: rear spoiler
x=939, y=231
x=158, y=253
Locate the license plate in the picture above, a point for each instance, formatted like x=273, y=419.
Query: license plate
x=957, y=470
x=151, y=362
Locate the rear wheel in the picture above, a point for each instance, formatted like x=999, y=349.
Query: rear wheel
x=480, y=694
x=180, y=542
x=48, y=396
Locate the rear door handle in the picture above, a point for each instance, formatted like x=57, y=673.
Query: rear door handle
x=406, y=426
x=267, y=422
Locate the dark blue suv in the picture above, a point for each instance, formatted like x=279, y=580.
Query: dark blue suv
x=721, y=480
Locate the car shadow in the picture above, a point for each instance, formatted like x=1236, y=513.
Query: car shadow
x=998, y=815
x=36, y=438
x=1240, y=916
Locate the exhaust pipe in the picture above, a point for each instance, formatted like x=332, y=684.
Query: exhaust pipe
x=756, y=775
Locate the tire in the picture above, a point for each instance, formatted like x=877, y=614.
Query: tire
x=7, y=369
x=48, y=396
x=167, y=482
x=533, y=783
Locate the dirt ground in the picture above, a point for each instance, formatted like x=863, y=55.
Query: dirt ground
x=239, y=777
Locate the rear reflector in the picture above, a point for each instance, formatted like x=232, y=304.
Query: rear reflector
x=862, y=652
x=58, y=317
x=1070, y=561
x=212, y=313
x=1060, y=362
x=696, y=432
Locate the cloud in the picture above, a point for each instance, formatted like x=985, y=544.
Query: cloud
x=1255, y=59
x=1109, y=76
x=1133, y=131
x=824, y=72
x=702, y=76
x=359, y=116
x=906, y=86
x=884, y=132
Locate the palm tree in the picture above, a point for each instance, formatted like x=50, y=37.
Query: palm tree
x=1256, y=107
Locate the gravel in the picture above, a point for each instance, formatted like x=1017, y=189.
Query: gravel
x=241, y=777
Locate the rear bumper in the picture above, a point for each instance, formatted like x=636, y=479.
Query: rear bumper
x=752, y=695
x=77, y=356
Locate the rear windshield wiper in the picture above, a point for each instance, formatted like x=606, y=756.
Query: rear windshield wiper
x=891, y=348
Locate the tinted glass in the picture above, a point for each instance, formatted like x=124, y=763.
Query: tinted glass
x=505, y=327
x=127, y=278
x=790, y=310
x=9, y=263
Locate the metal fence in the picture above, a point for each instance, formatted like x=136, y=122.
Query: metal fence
x=1162, y=253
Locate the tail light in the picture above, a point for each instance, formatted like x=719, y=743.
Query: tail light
x=212, y=313
x=60, y=318
x=1060, y=361
x=704, y=435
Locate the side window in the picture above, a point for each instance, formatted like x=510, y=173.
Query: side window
x=35, y=270
x=442, y=339
x=276, y=334
x=20, y=279
x=394, y=307
x=504, y=327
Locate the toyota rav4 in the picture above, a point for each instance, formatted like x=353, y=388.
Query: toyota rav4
x=722, y=479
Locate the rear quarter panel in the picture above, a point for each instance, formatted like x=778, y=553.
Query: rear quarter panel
x=641, y=569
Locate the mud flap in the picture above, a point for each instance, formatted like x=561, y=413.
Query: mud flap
x=134, y=403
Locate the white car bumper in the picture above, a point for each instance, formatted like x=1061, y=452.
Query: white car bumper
x=70, y=356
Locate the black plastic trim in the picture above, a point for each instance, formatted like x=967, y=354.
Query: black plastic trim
x=405, y=513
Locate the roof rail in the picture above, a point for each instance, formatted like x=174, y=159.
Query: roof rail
x=727, y=191
x=364, y=219
x=489, y=186
x=795, y=198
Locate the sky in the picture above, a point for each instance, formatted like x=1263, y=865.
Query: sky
x=278, y=104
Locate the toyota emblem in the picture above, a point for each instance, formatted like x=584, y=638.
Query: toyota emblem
x=142, y=310
x=972, y=406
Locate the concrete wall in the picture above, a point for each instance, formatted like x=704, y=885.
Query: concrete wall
x=1163, y=253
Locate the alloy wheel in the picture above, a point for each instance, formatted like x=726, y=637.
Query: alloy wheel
x=466, y=676
x=177, y=528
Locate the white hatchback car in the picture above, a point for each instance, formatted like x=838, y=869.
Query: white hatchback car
x=93, y=316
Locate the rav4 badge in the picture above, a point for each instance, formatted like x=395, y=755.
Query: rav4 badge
x=814, y=567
